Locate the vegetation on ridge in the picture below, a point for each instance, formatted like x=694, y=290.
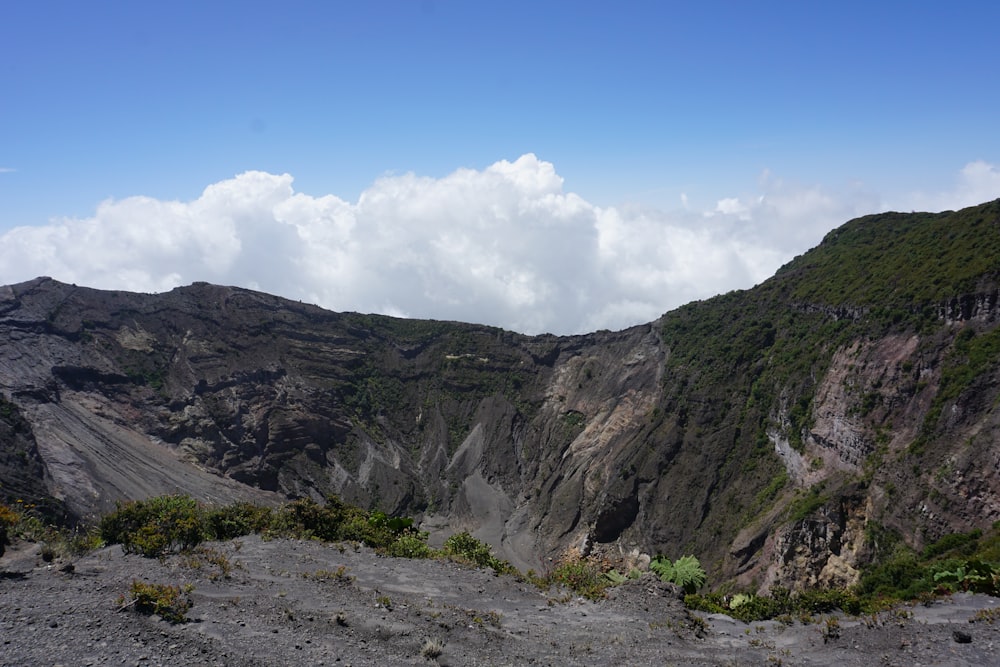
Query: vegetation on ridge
x=900, y=260
x=956, y=562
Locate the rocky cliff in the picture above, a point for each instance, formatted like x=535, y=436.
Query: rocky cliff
x=777, y=433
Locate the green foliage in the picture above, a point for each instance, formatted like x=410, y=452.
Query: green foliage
x=739, y=600
x=964, y=543
x=580, y=575
x=238, y=519
x=8, y=516
x=803, y=506
x=23, y=521
x=744, y=365
x=958, y=561
x=780, y=603
x=972, y=357
x=306, y=519
x=614, y=577
x=686, y=572
x=826, y=600
x=973, y=575
x=902, y=576
x=170, y=603
x=395, y=524
x=410, y=545
x=337, y=521
x=464, y=546
x=156, y=526
x=895, y=261
x=662, y=567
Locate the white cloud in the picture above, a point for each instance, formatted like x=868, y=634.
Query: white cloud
x=505, y=245
x=732, y=206
x=977, y=182
x=7, y=170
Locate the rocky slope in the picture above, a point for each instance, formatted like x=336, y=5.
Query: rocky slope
x=283, y=602
x=785, y=434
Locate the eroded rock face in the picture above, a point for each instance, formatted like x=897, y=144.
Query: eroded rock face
x=825, y=549
x=535, y=444
x=226, y=393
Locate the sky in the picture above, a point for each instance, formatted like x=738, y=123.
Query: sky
x=541, y=166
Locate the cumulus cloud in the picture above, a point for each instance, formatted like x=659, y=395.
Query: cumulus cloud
x=505, y=245
x=976, y=183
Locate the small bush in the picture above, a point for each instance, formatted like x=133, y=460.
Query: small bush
x=305, y=518
x=581, y=576
x=340, y=575
x=409, y=545
x=972, y=575
x=170, y=603
x=901, y=577
x=431, y=649
x=155, y=526
x=26, y=522
x=826, y=600
x=237, y=520
x=963, y=543
x=465, y=547
x=8, y=516
x=7, y=520
x=207, y=556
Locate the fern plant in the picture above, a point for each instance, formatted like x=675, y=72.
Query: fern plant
x=662, y=567
x=686, y=572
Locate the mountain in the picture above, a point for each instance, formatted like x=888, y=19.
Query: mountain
x=788, y=434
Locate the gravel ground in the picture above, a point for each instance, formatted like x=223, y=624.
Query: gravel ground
x=293, y=602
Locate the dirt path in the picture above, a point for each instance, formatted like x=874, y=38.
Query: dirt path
x=293, y=602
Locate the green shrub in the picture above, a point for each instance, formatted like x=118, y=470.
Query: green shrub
x=238, y=519
x=305, y=518
x=711, y=603
x=395, y=524
x=964, y=543
x=8, y=519
x=465, y=547
x=25, y=522
x=581, y=576
x=8, y=516
x=972, y=575
x=170, y=603
x=781, y=602
x=826, y=600
x=409, y=545
x=155, y=526
x=901, y=577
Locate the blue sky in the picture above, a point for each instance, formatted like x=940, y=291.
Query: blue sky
x=740, y=131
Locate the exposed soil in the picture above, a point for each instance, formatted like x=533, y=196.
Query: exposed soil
x=289, y=602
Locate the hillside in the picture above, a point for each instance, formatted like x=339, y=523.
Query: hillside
x=787, y=434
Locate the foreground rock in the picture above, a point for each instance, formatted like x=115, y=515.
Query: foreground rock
x=293, y=602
